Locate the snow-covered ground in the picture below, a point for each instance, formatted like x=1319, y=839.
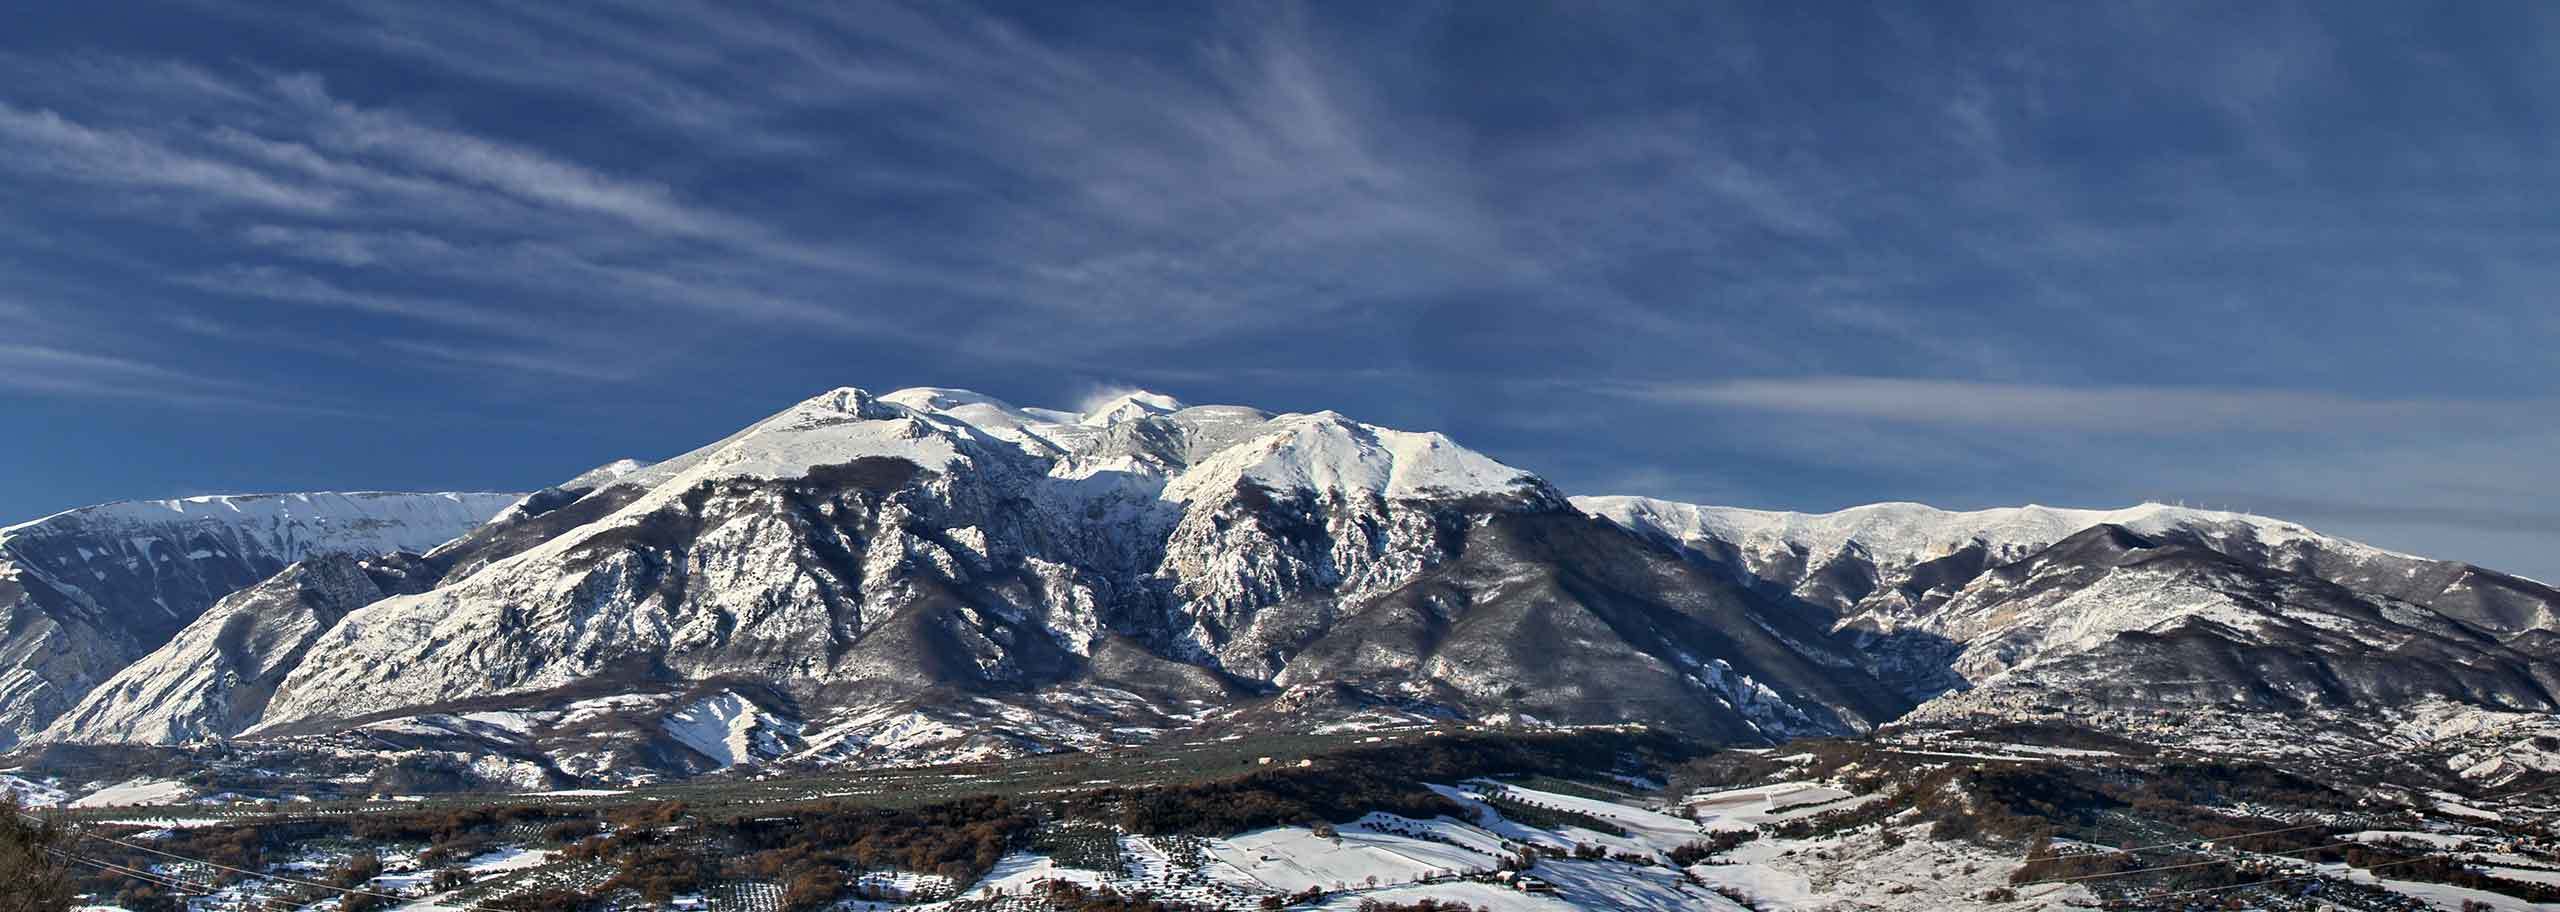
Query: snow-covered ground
x=1862, y=871
x=2442, y=896
x=729, y=729
x=1291, y=859
x=137, y=791
x=32, y=793
x=1894, y=867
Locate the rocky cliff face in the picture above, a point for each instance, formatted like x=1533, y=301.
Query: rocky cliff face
x=84, y=592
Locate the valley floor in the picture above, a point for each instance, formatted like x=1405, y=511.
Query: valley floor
x=1830, y=827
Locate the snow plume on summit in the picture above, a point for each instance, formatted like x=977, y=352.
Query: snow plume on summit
x=1098, y=405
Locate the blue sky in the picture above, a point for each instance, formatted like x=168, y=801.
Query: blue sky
x=2298, y=259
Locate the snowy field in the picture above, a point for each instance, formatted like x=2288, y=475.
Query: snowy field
x=1892, y=867
x=137, y=791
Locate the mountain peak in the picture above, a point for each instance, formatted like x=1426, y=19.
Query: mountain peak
x=847, y=402
x=1126, y=406
x=1326, y=451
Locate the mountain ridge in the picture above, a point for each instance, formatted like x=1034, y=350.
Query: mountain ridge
x=84, y=592
x=935, y=573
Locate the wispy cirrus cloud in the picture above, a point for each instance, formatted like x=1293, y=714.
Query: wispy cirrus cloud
x=345, y=248
x=521, y=173
x=53, y=144
x=55, y=369
x=274, y=284
x=513, y=360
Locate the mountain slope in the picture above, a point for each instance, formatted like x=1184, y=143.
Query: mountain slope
x=215, y=676
x=85, y=591
x=1881, y=558
x=2176, y=639
x=939, y=560
x=2150, y=615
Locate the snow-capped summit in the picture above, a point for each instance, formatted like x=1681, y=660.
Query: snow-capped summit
x=1129, y=405
x=831, y=428
x=1325, y=451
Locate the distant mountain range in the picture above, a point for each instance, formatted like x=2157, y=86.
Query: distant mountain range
x=85, y=592
x=934, y=573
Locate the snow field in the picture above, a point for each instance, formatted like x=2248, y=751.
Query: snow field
x=137, y=792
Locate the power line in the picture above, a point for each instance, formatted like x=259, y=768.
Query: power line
x=170, y=881
x=2146, y=870
x=2289, y=877
x=2172, y=867
x=277, y=878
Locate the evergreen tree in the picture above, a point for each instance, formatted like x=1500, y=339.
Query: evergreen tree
x=33, y=878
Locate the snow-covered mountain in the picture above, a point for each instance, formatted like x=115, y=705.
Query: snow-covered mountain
x=935, y=573
x=215, y=676
x=2169, y=626
x=936, y=570
x=86, y=591
x=2147, y=614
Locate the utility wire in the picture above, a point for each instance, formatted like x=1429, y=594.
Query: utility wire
x=277, y=878
x=173, y=882
x=2146, y=870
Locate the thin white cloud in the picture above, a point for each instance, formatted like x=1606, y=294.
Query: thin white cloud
x=346, y=248
x=504, y=167
x=57, y=370
x=54, y=144
x=514, y=361
x=273, y=284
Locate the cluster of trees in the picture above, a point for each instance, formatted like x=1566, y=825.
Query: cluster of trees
x=957, y=839
x=358, y=873
x=2008, y=805
x=2233, y=783
x=1092, y=847
x=815, y=849
x=1841, y=820
x=1547, y=816
x=660, y=871
x=2049, y=861
x=1453, y=757
x=1068, y=896
x=444, y=825
x=1295, y=795
x=1727, y=769
x=2440, y=867
x=547, y=899
x=1716, y=843
x=1302, y=897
